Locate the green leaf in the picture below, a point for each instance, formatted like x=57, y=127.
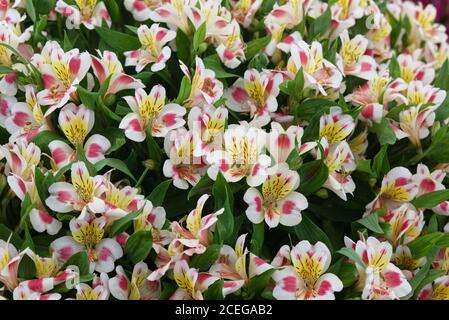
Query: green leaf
x=81, y=156
x=157, y=196
x=258, y=283
x=351, y=254
x=365, y=166
x=215, y=291
x=43, y=139
x=138, y=246
x=223, y=199
x=202, y=187
x=320, y=26
x=381, y=166
x=116, y=137
x=116, y=164
x=80, y=260
x=204, y=261
x=45, y=6
x=213, y=63
x=384, y=132
x=255, y=46
x=431, y=199
x=199, y=36
x=27, y=268
x=421, y=246
x=394, y=68
x=257, y=238
x=114, y=11
x=123, y=223
x=184, y=90
x=313, y=175
x=442, y=79
x=183, y=47
x=308, y=230
x=30, y=10
x=371, y=222
x=87, y=98
x=6, y=233
x=118, y=41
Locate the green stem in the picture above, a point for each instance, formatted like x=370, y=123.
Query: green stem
x=142, y=177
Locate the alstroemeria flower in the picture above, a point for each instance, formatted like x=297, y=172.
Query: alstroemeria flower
x=36, y=289
x=359, y=144
x=83, y=193
x=244, y=11
x=278, y=202
x=9, y=264
x=336, y=126
x=88, y=235
x=141, y=9
x=414, y=124
x=232, y=266
x=27, y=118
x=185, y=164
x=306, y=278
x=397, y=187
x=318, y=72
x=344, y=15
x=191, y=283
x=242, y=156
x=205, y=88
x=138, y=288
x=173, y=13
x=151, y=115
x=413, y=69
x=282, y=142
x=98, y=291
x=109, y=66
x=197, y=226
x=379, y=279
x=406, y=224
x=60, y=77
x=405, y=261
x=21, y=158
x=339, y=160
x=353, y=59
x=231, y=50
x=209, y=122
x=153, y=51
x=50, y=267
x=153, y=218
x=419, y=94
x=90, y=13
x=255, y=94
x=429, y=182
x=441, y=260
x=9, y=11
x=438, y=290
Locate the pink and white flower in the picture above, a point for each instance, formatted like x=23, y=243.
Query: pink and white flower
x=151, y=115
x=153, y=51
x=90, y=13
x=141, y=9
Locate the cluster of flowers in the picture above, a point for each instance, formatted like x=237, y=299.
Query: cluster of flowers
x=318, y=128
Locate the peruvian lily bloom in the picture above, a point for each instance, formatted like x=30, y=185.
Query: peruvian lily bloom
x=173, y=13
x=141, y=9
x=429, y=182
x=9, y=11
x=318, y=72
x=153, y=51
x=406, y=224
x=242, y=156
x=108, y=66
x=98, y=291
x=27, y=118
x=90, y=13
x=397, y=187
x=151, y=115
x=441, y=260
x=232, y=266
x=61, y=76
x=139, y=288
x=306, y=278
x=84, y=193
x=419, y=94
x=184, y=166
x=413, y=69
x=336, y=126
x=282, y=142
x=379, y=279
x=209, y=122
x=231, y=50
x=244, y=11
x=438, y=290
x=205, y=88
x=353, y=59
x=9, y=264
x=21, y=158
x=49, y=267
x=278, y=202
x=197, y=227
x=191, y=283
x=88, y=235
x=36, y=289
x=339, y=160
x=405, y=261
x=255, y=94
x=153, y=219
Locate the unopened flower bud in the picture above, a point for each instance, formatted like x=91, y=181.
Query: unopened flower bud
x=149, y=164
x=322, y=193
x=109, y=100
x=202, y=47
